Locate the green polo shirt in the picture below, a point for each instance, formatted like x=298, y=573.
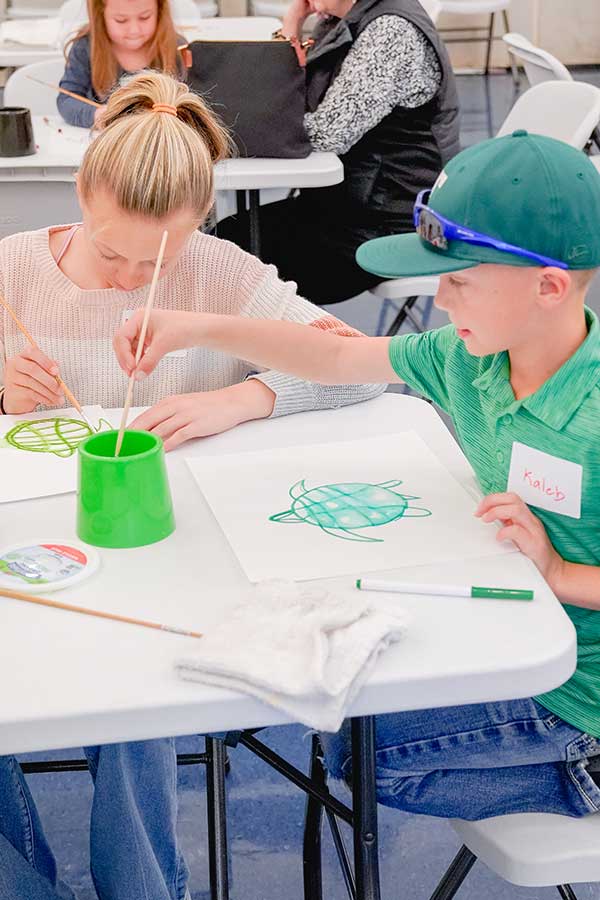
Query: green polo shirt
x=562, y=418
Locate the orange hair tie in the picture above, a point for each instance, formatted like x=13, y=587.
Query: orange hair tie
x=164, y=108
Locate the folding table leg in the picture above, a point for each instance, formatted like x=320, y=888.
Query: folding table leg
x=566, y=891
x=217, y=819
x=254, y=223
x=454, y=876
x=490, y=41
x=364, y=801
x=313, y=818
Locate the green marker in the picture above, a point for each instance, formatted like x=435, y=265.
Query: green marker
x=445, y=590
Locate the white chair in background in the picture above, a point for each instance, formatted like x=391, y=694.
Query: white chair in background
x=476, y=8
x=20, y=91
x=528, y=849
x=539, y=65
x=566, y=110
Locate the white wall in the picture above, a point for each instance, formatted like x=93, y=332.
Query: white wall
x=570, y=29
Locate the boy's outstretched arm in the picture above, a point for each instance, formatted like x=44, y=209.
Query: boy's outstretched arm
x=286, y=346
x=572, y=583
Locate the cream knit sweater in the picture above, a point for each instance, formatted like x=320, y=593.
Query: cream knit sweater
x=75, y=327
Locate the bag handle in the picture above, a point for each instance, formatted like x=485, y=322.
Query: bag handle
x=301, y=49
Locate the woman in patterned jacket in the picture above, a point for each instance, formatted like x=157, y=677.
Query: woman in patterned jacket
x=380, y=94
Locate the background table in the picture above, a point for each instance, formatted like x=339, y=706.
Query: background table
x=39, y=190
x=14, y=54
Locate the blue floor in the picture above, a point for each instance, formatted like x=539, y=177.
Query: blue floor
x=265, y=812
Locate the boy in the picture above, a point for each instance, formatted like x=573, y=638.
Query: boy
x=513, y=227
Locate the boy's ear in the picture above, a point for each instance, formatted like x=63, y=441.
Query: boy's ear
x=554, y=285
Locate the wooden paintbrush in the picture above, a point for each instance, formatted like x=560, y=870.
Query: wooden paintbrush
x=70, y=397
x=61, y=90
x=70, y=607
x=141, y=339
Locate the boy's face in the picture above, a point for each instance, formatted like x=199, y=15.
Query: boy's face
x=496, y=307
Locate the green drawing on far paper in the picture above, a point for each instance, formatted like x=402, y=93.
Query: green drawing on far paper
x=60, y=436
x=343, y=509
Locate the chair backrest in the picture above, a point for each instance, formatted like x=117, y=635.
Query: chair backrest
x=566, y=110
x=20, y=91
x=539, y=65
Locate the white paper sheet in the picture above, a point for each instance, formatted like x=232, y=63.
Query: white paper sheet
x=341, y=530
x=40, y=459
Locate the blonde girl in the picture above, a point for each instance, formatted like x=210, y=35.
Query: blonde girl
x=149, y=169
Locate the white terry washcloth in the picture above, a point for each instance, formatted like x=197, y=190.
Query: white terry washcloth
x=304, y=649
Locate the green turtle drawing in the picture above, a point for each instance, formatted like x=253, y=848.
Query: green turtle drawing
x=342, y=509
x=60, y=436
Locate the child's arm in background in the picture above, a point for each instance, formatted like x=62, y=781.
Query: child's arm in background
x=572, y=583
x=77, y=78
x=300, y=350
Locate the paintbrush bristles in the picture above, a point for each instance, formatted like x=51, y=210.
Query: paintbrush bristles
x=141, y=339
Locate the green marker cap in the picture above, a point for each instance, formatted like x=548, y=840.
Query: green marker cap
x=486, y=593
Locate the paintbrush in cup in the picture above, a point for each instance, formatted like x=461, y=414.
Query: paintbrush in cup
x=141, y=339
x=70, y=397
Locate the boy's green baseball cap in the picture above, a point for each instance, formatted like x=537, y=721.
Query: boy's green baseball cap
x=525, y=189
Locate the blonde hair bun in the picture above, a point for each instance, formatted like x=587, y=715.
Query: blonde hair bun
x=155, y=163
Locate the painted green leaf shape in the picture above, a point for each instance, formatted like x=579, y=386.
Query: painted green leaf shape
x=60, y=436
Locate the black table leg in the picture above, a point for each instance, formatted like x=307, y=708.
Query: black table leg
x=313, y=817
x=254, y=223
x=364, y=801
x=217, y=819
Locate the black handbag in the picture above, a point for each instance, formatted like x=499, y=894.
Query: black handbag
x=258, y=89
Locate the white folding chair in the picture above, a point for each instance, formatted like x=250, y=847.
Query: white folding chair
x=528, y=849
x=539, y=65
x=477, y=8
x=566, y=110
x=20, y=91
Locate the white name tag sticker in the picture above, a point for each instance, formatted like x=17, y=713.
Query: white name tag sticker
x=174, y=354
x=546, y=481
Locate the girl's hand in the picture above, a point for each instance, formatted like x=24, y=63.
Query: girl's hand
x=168, y=330
x=180, y=418
x=30, y=379
x=524, y=529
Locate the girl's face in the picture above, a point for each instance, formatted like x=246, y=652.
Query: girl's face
x=130, y=24
x=124, y=247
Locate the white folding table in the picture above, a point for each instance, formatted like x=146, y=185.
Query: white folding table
x=14, y=54
x=91, y=681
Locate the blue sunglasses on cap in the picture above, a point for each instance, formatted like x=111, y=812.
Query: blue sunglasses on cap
x=436, y=230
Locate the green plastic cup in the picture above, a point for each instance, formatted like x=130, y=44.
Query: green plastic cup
x=123, y=501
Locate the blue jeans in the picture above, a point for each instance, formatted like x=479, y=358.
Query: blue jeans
x=133, y=842
x=472, y=762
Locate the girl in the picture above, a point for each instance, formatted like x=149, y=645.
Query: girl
x=150, y=169
x=122, y=36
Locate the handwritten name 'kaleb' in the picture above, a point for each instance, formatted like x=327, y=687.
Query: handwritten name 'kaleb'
x=540, y=484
